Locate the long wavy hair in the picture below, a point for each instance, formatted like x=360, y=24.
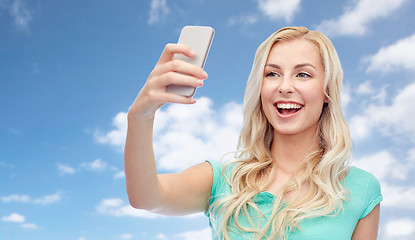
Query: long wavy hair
x=323, y=170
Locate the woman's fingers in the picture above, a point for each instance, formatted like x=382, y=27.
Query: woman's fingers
x=168, y=74
x=185, y=68
x=168, y=71
x=172, y=49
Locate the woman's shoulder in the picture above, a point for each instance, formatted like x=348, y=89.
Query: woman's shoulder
x=361, y=179
x=364, y=188
x=360, y=176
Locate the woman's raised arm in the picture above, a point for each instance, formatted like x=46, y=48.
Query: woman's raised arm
x=180, y=193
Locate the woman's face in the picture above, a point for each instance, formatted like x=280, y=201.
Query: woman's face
x=292, y=90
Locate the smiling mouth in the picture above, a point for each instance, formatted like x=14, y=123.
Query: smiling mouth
x=287, y=108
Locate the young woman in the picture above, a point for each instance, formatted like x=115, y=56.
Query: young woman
x=290, y=178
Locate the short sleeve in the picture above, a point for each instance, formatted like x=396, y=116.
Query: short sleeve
x=373, y=197
x=217, y=172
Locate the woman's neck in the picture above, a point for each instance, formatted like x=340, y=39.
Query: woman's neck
x=288, y=151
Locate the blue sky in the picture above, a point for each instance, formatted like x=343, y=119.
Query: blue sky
x=69, y=70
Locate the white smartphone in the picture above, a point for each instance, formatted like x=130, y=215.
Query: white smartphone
x=198, y=38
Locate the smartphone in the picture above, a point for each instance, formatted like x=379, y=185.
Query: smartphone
x=198, y=38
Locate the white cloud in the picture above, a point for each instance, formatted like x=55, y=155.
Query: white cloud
x=357, y=17
x=116, y=207
x=279, y=9
x=345, y=98
x=204, y=234
x=7, y=165
x=360, y=127
x=126, y=236
x=119, y=174
x=65, y=169
x=14, y=217
x=397, y=118
x=161, y=236
x=187, y=134
x=243, y=19
x=158, y=9
x=365, y=88
x=398, y=196
x=383, y=165
x=48, y=199
x=386, y=168
x=117, y=136
x=394, y=57
x=97, y=165
x=403, y=228
x=29, y=226
x=17, y=218
x=44, y=200
x=411, y=154
x=15, y=198
x=21, y=14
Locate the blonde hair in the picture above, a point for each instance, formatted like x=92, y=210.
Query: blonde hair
x=324, y=170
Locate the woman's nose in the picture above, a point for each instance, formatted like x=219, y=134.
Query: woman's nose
x=286, y=86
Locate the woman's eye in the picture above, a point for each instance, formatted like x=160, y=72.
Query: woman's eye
x=304, y=75
x=272, y=74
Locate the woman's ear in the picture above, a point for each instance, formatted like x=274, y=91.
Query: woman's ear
x=326, y=103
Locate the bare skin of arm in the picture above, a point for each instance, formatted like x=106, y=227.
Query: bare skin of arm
x=171, y=194
x=367, y=227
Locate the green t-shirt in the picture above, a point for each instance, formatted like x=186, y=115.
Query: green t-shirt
x=364, y=196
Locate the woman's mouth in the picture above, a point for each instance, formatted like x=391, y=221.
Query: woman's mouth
x=287, y=108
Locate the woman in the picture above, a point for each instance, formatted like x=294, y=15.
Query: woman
x=290, y=178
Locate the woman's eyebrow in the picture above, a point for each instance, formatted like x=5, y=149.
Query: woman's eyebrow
x=305, y=65
x=273, y=65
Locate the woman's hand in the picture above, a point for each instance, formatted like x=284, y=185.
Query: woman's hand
x=167, y=71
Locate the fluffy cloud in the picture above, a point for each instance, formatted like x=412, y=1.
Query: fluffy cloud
x=20, y=13
x=384, y=166
x=279, y=9
x=6, y=165
x=394, y=57
x=400, y=229
x=116, y=207
x=186, y=134
x=17, y=218
x=14, y=217
x=126, y=236
x=365, y=88
x=65, y=169
x=158, y=9
x=396, y=118
x=44, y=200
x=15, y=198
x=388, y=169
x=117, y=136
x=97, y=165
x=119, y=174
x=243, y=19
x=398, y=196
x=345, y=98
x=357, y=17
x=29, y=226
x=48, y=199
x=204, y=234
